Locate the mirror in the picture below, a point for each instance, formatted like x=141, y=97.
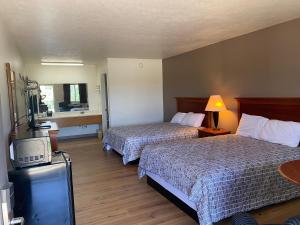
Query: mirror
x=64, y=97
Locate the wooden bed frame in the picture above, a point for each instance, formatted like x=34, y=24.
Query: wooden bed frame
x=196, y=105
x=287, y=109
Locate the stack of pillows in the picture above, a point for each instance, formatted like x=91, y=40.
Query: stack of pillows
x=188, y=119
x=274, y=131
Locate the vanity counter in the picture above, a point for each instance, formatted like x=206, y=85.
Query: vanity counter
x=71, y=119
x=71, y=114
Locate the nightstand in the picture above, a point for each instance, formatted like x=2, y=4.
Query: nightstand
x=208, y=132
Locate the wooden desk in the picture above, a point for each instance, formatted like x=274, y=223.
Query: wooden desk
x=24, y=132
x=291, y=171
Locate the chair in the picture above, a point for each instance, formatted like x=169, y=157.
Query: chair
x=243, y=219
x=246, y=219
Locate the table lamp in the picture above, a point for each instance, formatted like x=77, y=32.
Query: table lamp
x=215, y=104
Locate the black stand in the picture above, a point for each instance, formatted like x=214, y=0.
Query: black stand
x=216, y=120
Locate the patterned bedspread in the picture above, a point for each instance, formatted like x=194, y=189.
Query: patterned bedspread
x=223, y=175
x=130, y=140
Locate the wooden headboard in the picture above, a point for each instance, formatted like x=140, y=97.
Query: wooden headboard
x=196, y=105
x=287, y=109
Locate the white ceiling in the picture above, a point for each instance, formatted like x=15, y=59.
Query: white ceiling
x=90, y=30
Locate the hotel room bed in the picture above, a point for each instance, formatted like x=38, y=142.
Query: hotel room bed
x=220, y=176
x=215, y=177
x=129, y=141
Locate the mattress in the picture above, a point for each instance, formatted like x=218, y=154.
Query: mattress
x=222, y=175
x=129, y=141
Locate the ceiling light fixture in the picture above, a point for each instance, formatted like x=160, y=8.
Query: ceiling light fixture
x=62, y=64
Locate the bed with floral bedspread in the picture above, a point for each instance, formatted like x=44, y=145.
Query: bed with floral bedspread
x=223, y=175
x=129, y=141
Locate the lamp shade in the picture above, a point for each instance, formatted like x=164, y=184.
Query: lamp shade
x=215, y=104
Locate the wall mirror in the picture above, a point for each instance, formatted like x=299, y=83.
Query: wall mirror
x=64, y=97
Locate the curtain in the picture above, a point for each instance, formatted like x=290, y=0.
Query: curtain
x=82, y=93
x=67, y=99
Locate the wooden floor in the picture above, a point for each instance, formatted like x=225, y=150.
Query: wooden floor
x=108, y=193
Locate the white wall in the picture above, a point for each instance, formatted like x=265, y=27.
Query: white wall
x=135, y=91
x=68, y=74
x=3, y=165
x=8, y=53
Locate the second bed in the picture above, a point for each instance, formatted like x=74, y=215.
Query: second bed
x=129, y=141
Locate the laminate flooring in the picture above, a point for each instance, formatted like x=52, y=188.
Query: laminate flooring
x=108, y=193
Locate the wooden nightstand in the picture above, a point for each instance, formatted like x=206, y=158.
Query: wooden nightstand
x=208, y=132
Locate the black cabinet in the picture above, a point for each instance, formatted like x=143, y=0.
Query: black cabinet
x=44, y=193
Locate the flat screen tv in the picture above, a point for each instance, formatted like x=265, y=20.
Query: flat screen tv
x=32, y=103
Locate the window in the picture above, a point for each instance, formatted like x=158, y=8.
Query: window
x=48, y=93
x=74, y=93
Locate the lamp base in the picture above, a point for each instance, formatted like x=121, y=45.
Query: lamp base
x=216, y=120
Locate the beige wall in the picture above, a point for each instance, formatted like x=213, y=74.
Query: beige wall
x=260, y=64
x=69, y=74
x=135, y=91
x=8, y=53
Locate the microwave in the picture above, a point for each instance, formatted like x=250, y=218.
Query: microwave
x=30, y=152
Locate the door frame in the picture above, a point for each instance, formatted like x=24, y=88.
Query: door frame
x=105, y=102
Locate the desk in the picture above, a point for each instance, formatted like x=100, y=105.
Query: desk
x=291, y=171
x=24, y=132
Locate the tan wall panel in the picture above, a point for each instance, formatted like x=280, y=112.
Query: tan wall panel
x=264, y=63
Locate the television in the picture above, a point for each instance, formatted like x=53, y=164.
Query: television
x=32, y=103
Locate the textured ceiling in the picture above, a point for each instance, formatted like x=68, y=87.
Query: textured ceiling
x=89, y=30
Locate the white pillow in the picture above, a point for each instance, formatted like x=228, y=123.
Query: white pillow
x=251, y=126
x=193, y=119
x=178, y=117
x=281, y=132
